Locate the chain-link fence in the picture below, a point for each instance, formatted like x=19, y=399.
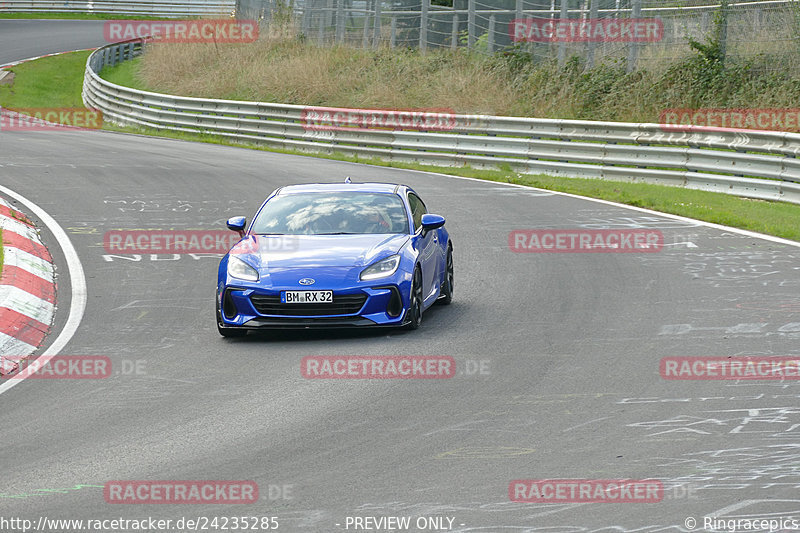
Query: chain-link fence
x=639, y=32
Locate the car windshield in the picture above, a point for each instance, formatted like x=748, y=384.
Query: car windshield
x=332, y=214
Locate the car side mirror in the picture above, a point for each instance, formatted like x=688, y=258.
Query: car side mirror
x=431, y=222
x=237, y=224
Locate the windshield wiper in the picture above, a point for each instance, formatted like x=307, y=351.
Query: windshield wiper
x=338, y=233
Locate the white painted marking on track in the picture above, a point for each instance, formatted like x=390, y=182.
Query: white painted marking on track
x=77, y=280
x=586, y=423
x=737, y=231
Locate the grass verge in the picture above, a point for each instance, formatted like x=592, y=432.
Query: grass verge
x=54, y=81
x=773, y=218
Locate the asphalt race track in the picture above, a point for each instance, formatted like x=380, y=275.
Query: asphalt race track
x=557, y=356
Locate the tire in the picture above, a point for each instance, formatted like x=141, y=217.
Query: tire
x=447, y=286
x=414, y=312
x=229, y=332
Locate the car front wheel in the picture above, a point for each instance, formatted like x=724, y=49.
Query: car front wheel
x=415, y=303
x=447, y=286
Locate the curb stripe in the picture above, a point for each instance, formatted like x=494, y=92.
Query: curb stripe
x=15, y=226
x=15, y=215
x=31, y=263
x=15, y=240
x=25, y=303
x=27, y=285
x=30, y=283
x=22, y=327
x=11, y=346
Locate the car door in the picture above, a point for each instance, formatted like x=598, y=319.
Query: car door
x=427, y=245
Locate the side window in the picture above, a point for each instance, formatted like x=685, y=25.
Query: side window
x=417, y=210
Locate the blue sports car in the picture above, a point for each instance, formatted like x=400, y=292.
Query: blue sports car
x=335, y=255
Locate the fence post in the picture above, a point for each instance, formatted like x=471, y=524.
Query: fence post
x=562, y=46
x=593, y=13
x=321, y=29
x=471, y=24
x=518, y=9
x=339, y=21
x=722, y=29
x=266, y=13
x=490, y=40
x=393, y=38
x=306, y=29
x=376, y=34
x=454, y=33
x=365, y=37
x=423, y=26
x=633, y=47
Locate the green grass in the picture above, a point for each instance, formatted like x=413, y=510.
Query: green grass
x=81, y=16
x=33, y=88
x=54, y=81
x=124, y=74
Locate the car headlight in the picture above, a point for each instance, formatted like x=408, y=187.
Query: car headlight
x=381, y=269
x=241, y=270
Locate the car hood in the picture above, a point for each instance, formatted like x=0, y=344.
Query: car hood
x=269, y=253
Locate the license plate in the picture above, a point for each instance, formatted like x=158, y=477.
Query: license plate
x=307, y=297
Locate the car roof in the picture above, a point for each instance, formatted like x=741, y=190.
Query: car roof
x=387, y=188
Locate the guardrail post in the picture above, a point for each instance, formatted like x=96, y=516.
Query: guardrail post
x=633, y=48
x=562, y=46
x=593, y=13
x=376, y=34
x=471, y=29
x=339, y=21
x=454, y=33
x=423, y=26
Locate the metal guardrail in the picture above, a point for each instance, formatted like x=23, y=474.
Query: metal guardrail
x=159, y=8
x=754, y=164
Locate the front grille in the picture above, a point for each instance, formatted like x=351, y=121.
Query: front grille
x=343, y=304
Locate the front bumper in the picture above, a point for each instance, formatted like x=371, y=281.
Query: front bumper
x=384, y=305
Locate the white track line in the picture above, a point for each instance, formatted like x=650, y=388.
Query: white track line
x=77, y=280
x=729, y=229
